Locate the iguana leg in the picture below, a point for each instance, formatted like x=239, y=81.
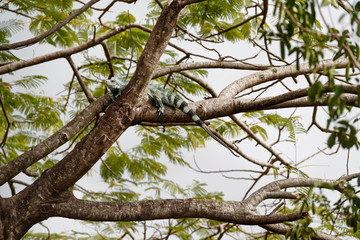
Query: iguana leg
x=115, y=94
x=159, y=104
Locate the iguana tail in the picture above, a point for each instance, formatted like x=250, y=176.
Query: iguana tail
x=177, y=102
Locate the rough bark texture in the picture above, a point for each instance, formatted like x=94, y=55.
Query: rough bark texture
x=60, y=137
x=277, y=73
x=51, y=194
x=233, y=212
x=31, y=205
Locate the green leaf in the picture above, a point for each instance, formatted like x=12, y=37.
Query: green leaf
x=125, y=18
x=11, y=26
x=356, y=201
x=331, y=140
x=327, y=2
x=33, y=81
x=357, y=7
x=282, y=49
x=315, y=92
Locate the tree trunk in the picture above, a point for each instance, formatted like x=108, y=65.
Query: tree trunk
x=37, y=201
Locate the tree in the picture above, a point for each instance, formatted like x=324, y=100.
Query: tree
x=303, y=60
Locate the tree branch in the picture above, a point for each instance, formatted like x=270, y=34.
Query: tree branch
x=117, y=118
x=88, y=95
x=188, y=2
x=65, y=53
x=57, y=182
x=350, y=100
x=236, y=25
x=108, y=58
x=50, y=31
x=278, y=73
x=22, y=14
x=218, y=107
x=3, y=141
x=60, y=137
x=267, y=191
x=231, y=212
x=201, y=82
x=206, y=111
x=259, y=140
x=262, y=194
x=161, y=71
x=283, y=229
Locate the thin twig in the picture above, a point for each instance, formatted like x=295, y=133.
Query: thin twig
x=7, y=121
x=88, y=95
x=132, y=48
x=108, y=58
x=24, y=15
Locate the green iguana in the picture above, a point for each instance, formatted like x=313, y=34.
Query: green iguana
x=162, y=96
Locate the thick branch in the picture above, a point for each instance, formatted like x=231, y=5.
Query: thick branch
x=278, y=73
x=263, y=193
x=117, y=118
x=217, y=107
x=231, y=212
x=267, y=191
x=155, y=46
x=59, y=179
x=63, y=135
x=206, y=109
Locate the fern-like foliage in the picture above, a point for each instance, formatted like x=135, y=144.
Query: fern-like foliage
x=32, y=117
x=9, y=27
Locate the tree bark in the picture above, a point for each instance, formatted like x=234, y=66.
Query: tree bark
x=31, y=205
x=20, y=163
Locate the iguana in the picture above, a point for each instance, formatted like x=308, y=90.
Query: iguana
x=162, y=96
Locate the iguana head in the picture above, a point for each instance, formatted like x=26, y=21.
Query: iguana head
x=111, y=84
x=115, y=87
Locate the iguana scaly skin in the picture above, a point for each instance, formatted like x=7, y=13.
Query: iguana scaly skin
x=162, y=96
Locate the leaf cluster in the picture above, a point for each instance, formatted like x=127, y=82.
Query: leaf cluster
x=299, y=32
x=339, y=217
x=28, y=117
x=25, y=115
x=216, y=17
x=45, y=14
x=7, y=29
x=298, y=20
